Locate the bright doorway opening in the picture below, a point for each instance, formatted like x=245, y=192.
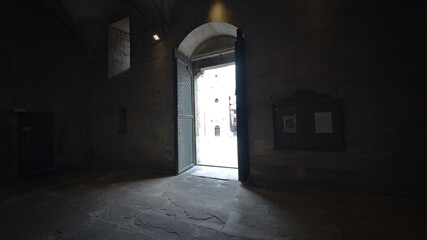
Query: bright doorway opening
x=216, y=119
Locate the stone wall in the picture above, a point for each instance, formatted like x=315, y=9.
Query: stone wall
x=44, y=68
x=146, y=91
x=365, y=53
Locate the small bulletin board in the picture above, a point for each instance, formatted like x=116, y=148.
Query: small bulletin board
x=315, y=124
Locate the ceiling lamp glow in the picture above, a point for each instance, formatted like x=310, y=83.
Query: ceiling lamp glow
x=156, y=37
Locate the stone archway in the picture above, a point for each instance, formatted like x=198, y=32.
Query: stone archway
x=203, y=33
x=184, y=155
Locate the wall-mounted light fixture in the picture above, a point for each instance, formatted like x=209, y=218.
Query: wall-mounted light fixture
x=156, y=34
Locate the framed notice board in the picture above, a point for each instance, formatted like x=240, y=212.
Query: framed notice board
x=312, y=125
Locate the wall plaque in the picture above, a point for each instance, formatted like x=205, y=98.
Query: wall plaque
x=309, y=124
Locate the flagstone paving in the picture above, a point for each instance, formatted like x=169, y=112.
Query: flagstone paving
x=137, y=204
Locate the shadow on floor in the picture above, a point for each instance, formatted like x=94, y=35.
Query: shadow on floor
x=50, y=172
x=120, y=203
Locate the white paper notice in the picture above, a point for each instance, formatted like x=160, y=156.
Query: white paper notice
x=290, y=124
x=323, y=122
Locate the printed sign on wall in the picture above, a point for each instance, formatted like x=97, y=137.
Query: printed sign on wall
x=323, y=122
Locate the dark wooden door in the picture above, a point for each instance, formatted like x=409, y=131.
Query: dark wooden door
x=35, y=141
x=184, y=112
x=242, y=113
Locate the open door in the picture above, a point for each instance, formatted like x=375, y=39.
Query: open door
x=184, y=112
x=242, y=115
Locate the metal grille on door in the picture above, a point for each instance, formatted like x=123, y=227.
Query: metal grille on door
x=185, y=113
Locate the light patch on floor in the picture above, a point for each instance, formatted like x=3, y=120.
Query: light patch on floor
x=215, y=172
x=218, y=151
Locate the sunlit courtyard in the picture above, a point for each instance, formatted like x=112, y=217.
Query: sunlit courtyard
x=218, y=151
x=216, y=121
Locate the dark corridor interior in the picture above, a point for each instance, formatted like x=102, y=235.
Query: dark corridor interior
x=333, y=127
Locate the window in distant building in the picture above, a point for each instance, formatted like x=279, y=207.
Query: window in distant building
x=118, y=47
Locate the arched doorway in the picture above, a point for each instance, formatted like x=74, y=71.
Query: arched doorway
x=186, y=65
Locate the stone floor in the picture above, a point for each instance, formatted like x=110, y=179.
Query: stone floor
x=135, y=204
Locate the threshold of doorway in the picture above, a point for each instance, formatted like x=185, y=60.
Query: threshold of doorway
x=214, y=172
x=207, y=165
